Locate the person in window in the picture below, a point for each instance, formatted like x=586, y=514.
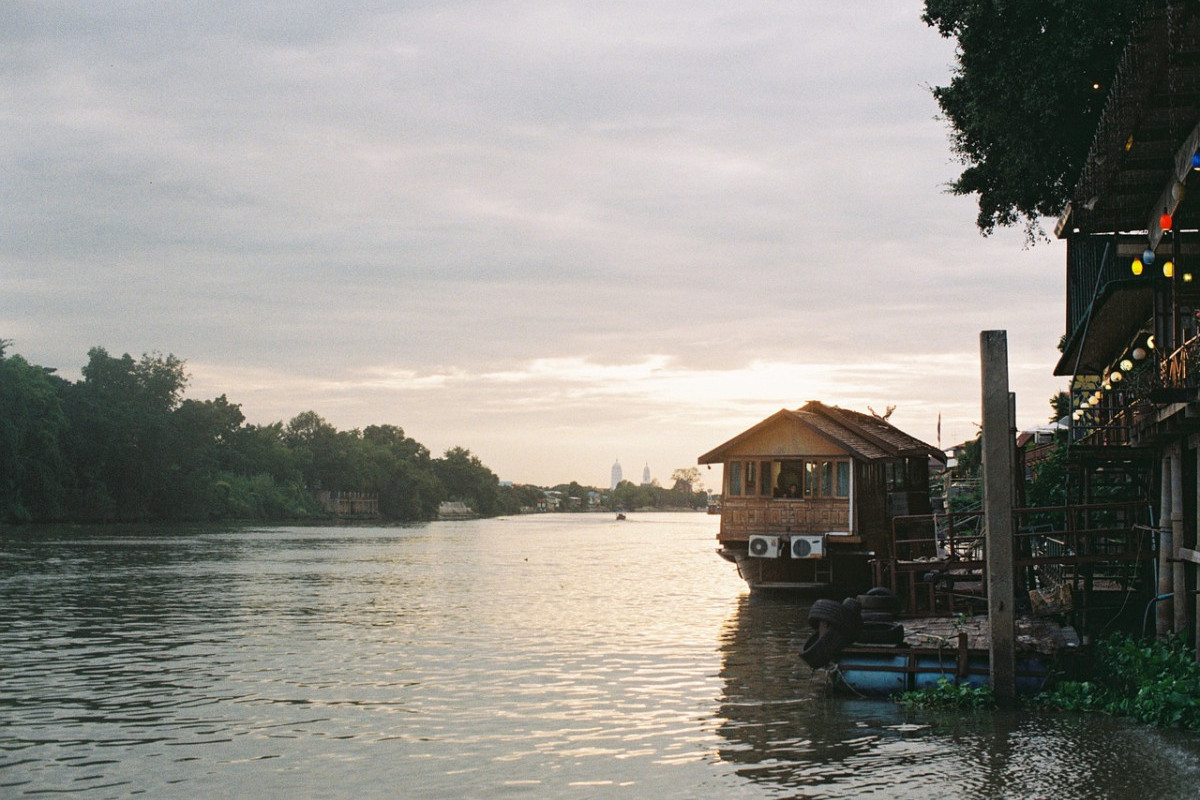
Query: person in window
x=792, y=490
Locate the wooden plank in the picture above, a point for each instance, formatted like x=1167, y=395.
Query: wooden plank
x=1187, y=554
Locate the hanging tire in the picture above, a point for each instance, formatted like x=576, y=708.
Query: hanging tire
x=881, y=633
x=832, y=613
x=820, y=649
x=854, y=616
x=879, y=602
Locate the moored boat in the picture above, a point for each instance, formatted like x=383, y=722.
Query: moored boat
x=809, y=496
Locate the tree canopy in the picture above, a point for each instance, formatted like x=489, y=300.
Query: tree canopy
x=123, y=444
x=1025, y=97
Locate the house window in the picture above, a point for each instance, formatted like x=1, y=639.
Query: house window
x=842, y=488
x=751, y=478
x=789, y=480
x=735, y=478
x=805, y=479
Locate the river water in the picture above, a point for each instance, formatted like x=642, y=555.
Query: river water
x=568, y=656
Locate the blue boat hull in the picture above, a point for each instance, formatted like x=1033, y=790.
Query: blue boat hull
x=885, y=671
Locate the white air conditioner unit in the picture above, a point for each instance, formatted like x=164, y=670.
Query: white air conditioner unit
x=808, y=546
x=764, y=546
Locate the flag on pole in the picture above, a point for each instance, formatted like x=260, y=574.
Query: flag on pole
x=939, y=430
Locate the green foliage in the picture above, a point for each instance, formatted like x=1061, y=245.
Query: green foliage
x=33, y=473
x=122, y=444
x=947, y=695
x=466, y=478
x=629, y=495
x=517, y=499
x=1025, y=97
x=1157, y=683
x=1048, y=485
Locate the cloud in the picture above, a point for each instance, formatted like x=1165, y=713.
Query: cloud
x=544, y=232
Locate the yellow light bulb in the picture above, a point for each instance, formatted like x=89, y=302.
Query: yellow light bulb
x=1136, y=266
x=1169, y=269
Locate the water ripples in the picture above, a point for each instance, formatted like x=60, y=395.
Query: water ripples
x=557, y=656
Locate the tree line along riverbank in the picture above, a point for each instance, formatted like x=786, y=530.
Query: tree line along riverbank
x=122, y=444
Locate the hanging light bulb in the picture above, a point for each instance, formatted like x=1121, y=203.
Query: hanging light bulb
x=1126, y=364
x=1138, y=353
x=1178, y=191
x=1164, y=221
x=1196, y=160
x=1150, y=342
x=1187, y=277
x=1136, y=266
x=1168, y=269
x=1108, y=386
x=1116, y=376
x=1147, y=256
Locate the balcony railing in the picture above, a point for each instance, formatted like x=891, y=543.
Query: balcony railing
x=1119, y=407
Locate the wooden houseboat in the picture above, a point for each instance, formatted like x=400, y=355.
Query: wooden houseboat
x=809, y=496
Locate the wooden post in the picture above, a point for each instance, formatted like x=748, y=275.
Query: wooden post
x=998, y=513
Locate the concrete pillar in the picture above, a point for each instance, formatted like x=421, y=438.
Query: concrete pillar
x=998, y=513
x=1179, y=569
x=1164, y=616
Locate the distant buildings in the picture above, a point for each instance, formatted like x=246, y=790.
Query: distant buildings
x=616, y=474
x=646, y=475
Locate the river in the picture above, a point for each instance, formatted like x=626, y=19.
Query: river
x=553, y=656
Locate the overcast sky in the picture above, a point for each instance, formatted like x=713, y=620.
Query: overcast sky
x=553, y=233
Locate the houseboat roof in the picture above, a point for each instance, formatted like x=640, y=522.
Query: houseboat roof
x=864, y=436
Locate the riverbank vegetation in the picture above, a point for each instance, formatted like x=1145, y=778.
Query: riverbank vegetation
x=122, y=444
x=1153, y=682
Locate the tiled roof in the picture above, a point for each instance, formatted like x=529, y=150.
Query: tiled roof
x=867, y=437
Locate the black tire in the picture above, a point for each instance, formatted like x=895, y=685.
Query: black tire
x=833, y=613
x=878, y=616
x=854, y=616
x=881, y=591
x=881, y=633
x=819, y=650
x=879, y=602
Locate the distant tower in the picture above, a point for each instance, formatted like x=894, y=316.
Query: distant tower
x=646, y=475
x=616, y=473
